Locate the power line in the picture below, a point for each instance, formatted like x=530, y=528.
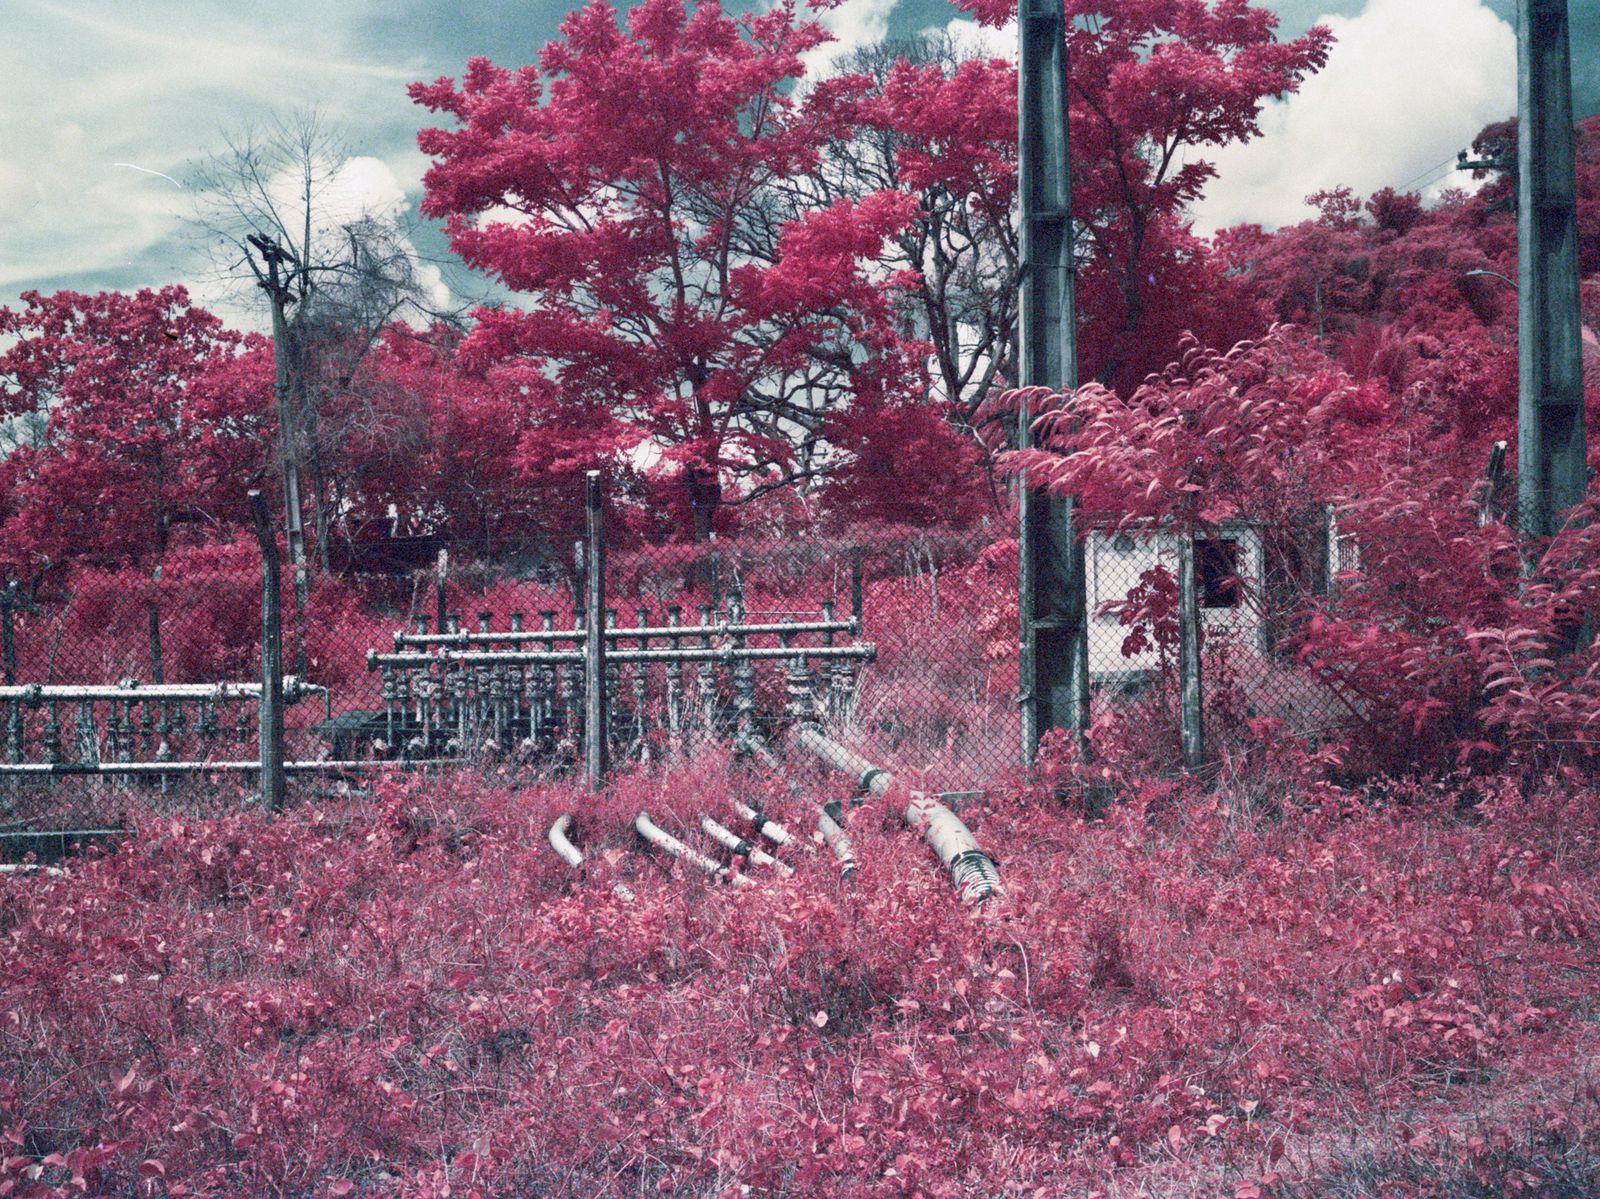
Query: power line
x=1448, y=162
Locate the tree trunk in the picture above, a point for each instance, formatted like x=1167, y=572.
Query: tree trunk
x=705, y=497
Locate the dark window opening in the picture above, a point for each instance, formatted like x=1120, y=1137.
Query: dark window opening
x=1216, y=570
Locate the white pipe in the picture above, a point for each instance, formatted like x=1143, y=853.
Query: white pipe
x=829, y=829
x=193, y=767
x=565, y=849
x=971, y=869
x=39, y=693
x=836, y=839
x=770, y=829
x=733, y=843
x=667, y=843
x=573, y=856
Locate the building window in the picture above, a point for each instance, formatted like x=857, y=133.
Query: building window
x=1216, y=569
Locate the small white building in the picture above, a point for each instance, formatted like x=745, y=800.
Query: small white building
x=1233, y=584
x=1230, y=572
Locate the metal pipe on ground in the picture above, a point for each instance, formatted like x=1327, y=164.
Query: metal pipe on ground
x=836, y=839
x=569, y=853
x=971, y=869
x=735, y=844
x=669, y=844
x=565, y=849
x=830, y=830
x=770, y=829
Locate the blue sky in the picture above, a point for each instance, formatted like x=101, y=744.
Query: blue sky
x=102, y=93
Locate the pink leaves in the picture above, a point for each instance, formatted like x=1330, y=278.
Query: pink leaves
x=823, y=259
x=1208, y=989
x=647, y=200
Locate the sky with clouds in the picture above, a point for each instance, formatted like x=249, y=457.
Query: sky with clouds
x=111, y=103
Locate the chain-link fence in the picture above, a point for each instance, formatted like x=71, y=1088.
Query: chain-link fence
x=1195, y=670
x=141, y=687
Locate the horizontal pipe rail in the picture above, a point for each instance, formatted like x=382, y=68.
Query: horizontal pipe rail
x=623, y=633
x=729, y=653
x=41, y=693
x=39, y=769
x=866, y=652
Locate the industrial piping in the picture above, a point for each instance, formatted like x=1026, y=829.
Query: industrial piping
x=971, y=869
x=829, y=829
x=565, y=849
x=735, y=844
x=770, y=829
x=667, y=843
x=573, y=856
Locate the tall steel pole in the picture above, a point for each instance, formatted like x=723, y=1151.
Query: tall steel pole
x=1053, y=601
x=275, y=279
x=1552, y=459
x=596, y=718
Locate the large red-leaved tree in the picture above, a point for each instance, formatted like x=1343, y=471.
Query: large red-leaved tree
x=628, y=187
x=1153, y=86
x=148, y=417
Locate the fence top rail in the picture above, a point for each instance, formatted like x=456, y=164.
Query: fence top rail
x=40, y=693
x=626, y=633
x=864, y=651
x=185, y=766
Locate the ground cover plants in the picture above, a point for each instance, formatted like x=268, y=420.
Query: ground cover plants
x=1263, y=990
x=1351, y=952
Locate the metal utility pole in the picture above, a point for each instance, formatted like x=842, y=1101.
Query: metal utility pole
x=278, y=284
x=1053, y=600
x=271, y=712
x=1552, y=471
x=595, y=716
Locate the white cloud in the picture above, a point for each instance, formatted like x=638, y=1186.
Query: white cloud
x=363, y=188
x=1408, y=83
x=855, y=24
x=985, y=41
x=102, y=99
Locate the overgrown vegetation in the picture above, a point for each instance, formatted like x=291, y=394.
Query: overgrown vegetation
x=1354, y=956
x=1271, y=990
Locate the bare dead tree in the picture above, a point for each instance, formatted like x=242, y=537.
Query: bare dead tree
x=963, y=247
x=277, y=207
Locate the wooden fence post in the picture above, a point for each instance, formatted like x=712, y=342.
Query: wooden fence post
x=1190, y=695
x=157, y=673
x=594, y=658
x=271, y=722
x=857, y=563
